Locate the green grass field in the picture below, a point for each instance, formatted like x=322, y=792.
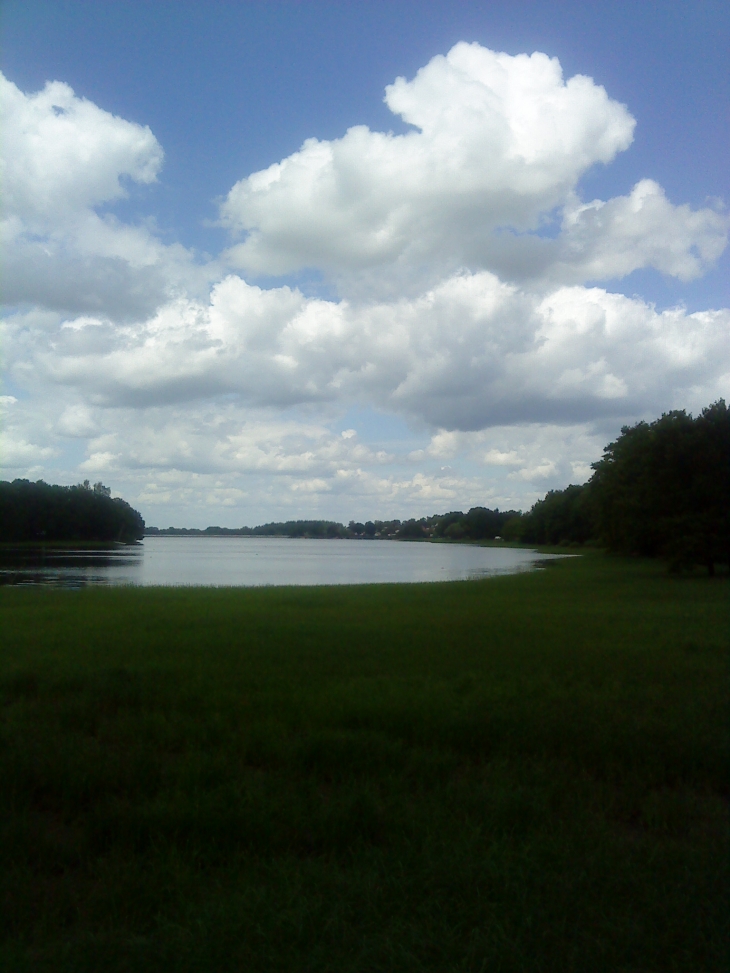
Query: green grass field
x=528, y=773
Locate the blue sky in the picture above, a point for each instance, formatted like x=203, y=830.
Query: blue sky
x=462, y=324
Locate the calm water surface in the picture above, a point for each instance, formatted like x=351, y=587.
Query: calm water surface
x=250, y=561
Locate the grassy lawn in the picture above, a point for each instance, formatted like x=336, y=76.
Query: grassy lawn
x=528, y=773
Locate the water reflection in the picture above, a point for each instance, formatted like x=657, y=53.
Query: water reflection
x=70, y=567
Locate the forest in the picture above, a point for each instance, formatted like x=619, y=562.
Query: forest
x=662, y=489
x=40, y=512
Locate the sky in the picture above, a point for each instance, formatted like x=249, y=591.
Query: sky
x=357, y=260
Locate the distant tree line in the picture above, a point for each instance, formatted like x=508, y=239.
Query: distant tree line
x=478, y=524
x=321, y=529
x=42, y=512
x=662, y=489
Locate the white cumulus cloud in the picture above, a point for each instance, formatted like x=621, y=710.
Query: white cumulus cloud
x=62, y=158
x=471, y=353
x=602, y=240
x=498, y=143
x=62, y=153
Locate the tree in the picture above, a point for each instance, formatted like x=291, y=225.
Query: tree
x=480, y=523
x=562, y=517
x=663, y=489
x=41, y=512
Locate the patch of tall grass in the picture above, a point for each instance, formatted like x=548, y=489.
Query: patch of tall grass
x=524, y=773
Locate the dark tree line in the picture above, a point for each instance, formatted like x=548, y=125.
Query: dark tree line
x=478, y=524
x=562, y=517
x=301, y=528
x=662, y=489
x=41, y=512
x=291, y=528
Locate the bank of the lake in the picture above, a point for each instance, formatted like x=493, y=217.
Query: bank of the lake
x=523, y=773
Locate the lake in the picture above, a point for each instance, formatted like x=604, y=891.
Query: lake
x=252, y=561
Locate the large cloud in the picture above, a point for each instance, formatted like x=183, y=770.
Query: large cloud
x=470, y=353
x=62, y=159
x=498, y=143
x=62, y=154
